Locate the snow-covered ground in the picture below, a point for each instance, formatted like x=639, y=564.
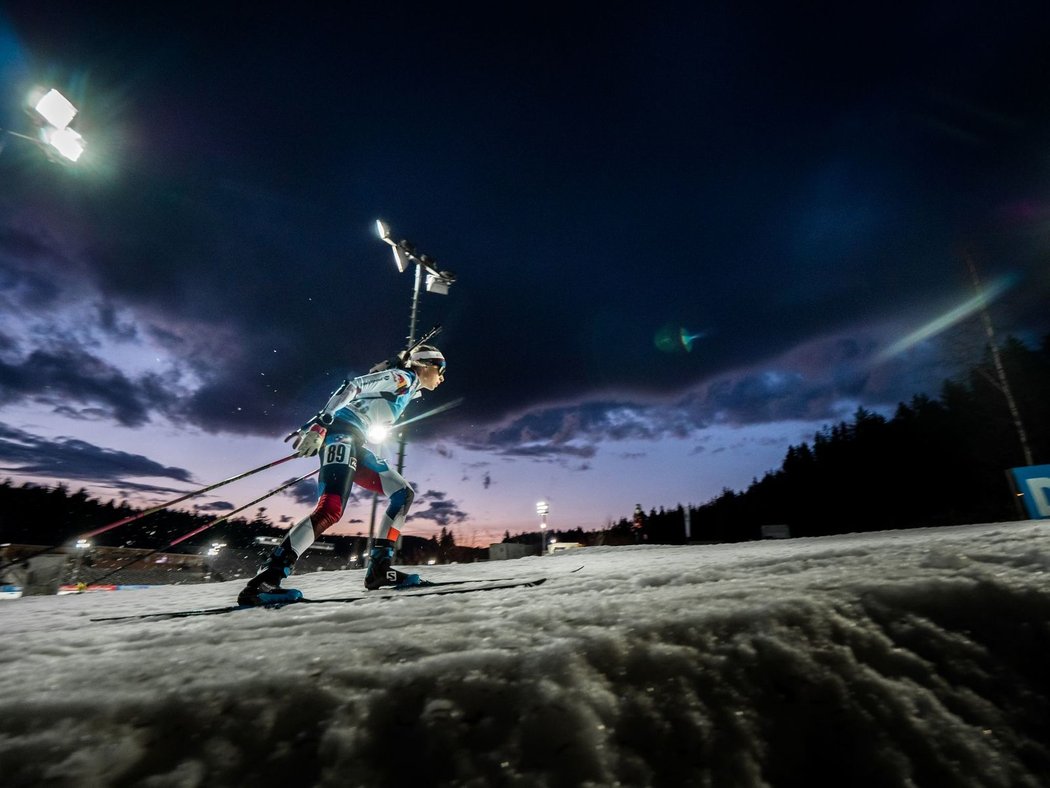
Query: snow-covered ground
x=898, y=659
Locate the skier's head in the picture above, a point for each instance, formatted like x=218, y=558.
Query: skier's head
x=429, y=365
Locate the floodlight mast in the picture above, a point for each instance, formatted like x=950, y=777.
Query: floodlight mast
x=436, y=282
x=543, y=509
x=993, y=346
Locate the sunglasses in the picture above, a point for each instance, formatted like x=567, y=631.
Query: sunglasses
x=440, y=365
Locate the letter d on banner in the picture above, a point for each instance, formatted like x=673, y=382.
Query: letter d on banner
x=1033, y=483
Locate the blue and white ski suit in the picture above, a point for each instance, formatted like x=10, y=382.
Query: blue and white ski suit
x=376, y=399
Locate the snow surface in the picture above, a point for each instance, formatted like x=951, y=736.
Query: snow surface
x=899, y=658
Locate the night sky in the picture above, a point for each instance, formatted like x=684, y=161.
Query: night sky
x=686, y=237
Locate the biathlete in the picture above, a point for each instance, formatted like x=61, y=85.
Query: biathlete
x=337, y=435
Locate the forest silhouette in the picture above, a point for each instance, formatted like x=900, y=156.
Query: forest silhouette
x=936, y=462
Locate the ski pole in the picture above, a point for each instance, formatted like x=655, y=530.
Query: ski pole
x=203, y=528
x=185, y=497
x=155, y=509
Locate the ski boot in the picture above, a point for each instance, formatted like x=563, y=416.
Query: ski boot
x=380, y=573
x=265, y=587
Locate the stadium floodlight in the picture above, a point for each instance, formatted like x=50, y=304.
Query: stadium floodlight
x=401, y=259
x=55, y=109
x=52, y=113
x=66, y=142
x=405, y=253
x=402, y=249
x=439, y=284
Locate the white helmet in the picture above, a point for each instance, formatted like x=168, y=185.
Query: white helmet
x=427, y=355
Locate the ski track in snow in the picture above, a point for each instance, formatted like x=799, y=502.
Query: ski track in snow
x=898, y=658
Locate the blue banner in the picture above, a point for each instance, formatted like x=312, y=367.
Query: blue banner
x=1033, y=485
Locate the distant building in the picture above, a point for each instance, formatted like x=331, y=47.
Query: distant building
x=504, y=550
x=556, y=547
x=778, y=531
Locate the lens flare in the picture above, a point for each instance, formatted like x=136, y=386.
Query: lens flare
x=950, y=318
x=433, y=412
x=377, y=433
x=670, y=339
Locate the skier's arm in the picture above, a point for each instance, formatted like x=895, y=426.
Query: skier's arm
x=323, y=417
x=383, y=385
x=375, y=385
x=339, y=399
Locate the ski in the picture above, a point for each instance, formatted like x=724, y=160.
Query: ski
x=432, y=589
x=441, y=589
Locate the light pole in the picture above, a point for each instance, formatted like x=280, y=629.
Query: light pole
x=993, y=346
x=52, y=113
x=82, y=547
x=437, y=281
x=543, y=509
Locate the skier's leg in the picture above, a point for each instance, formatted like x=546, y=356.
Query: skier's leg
x=377, y=476
x=338, y=458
